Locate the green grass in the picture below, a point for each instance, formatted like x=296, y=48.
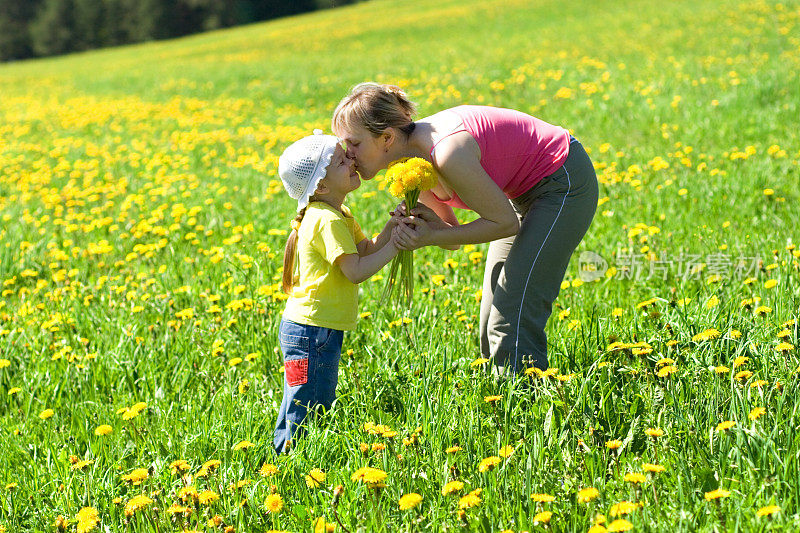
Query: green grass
x=141, y=181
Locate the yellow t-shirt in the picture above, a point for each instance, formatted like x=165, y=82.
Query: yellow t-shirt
x=323, y=296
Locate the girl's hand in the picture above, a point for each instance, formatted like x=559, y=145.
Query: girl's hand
x=399, y=210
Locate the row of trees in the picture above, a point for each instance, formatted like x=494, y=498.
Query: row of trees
x=35, y=28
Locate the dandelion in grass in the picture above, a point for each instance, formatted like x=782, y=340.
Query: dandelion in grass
x=453, y=449
x=452, y=487
x=176, y=508
x=243, y=445
x=315, y=478
x=471, y=499
x=87, y=519
x=717, y=494
x=635, y=478
x=588, y=494
x=597, y=528
x=784, y=347
x=740, y=360
x=542, y=517
x=623, y=508
x=368, y=475
x=179, y=466
x=321, y=526
x=768, y=510
x=207, y=497
x=103, y=430
x=619, y=525
x=721, y=369
x=744, y=375
x=542, y=498
x=47, y=413
x=654, y=433
x=137, y=503
x=409, y=501
x=407, y=178
x=478, y=362
x=273, y=503
x=615, y=444
x=653, y=468
x=489, y=463
x=667, y=371
x=725, y=425
x=506, y=451
x=492, y=399
x=756, y=413
x=136, y=476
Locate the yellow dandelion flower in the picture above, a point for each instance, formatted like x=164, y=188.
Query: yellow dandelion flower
x=588, y=494
x=597, y=528
x=654, y=432
x=743, y=375
x=478, y=362
x=489, y=463
x=136, y=503
x=614, y=444
x=542, y=498
x=207, y=497
x=717, y=494
x=273, y=503
x=470, y=500
x=725, y=425
x=622, y=508
x=768, y=510
x=756, y=413
x=87, y=519
x=451, y=487
x=542, y=517
x=453, y=449
x=784, y=347
x=315, y=478
x=666, y=371
x=136, y=476
x=179, y=465
x=47, y=413
x=635, y=477
x=268, y=470
x=409, y=501
x=506, y=451
x=103, y=430
x=619, y=525
x=721, y=369
x=649, y=467
x=243, y=445
x=367, y=474
x=490, y=399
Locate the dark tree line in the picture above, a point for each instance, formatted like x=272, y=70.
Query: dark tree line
x=35, y=28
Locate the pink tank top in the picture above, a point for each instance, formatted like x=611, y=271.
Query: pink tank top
x=517, y=150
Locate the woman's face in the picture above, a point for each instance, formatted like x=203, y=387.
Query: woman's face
x=366, y=150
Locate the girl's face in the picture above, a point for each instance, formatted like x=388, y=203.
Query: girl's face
x=341, y=176
x=367, y=150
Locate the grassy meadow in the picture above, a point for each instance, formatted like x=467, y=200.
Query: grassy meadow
x=142, y=232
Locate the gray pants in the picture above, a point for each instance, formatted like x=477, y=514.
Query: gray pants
x=524, y=272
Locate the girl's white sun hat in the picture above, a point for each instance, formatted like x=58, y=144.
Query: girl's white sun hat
x=304, y=163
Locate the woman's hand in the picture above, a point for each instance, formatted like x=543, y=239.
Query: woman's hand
x=411, y=233
x=427, y=214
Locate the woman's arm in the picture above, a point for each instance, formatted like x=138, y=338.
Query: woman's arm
x=460, y=168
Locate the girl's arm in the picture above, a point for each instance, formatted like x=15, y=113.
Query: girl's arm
x=370, y=246
x=358, y=268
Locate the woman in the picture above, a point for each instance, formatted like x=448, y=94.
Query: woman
x=531, y=183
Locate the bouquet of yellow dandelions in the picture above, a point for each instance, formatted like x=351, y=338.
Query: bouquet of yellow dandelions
x=407, y=177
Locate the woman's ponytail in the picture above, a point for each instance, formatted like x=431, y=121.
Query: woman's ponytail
x=289, y=253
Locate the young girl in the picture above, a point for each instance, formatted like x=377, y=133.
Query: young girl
x=333, y=257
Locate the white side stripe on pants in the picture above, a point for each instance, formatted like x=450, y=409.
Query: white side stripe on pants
x=527, y=280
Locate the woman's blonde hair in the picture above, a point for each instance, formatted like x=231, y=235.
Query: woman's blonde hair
x=375, y=107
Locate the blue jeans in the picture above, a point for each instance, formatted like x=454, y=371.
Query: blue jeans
x=311, y=371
